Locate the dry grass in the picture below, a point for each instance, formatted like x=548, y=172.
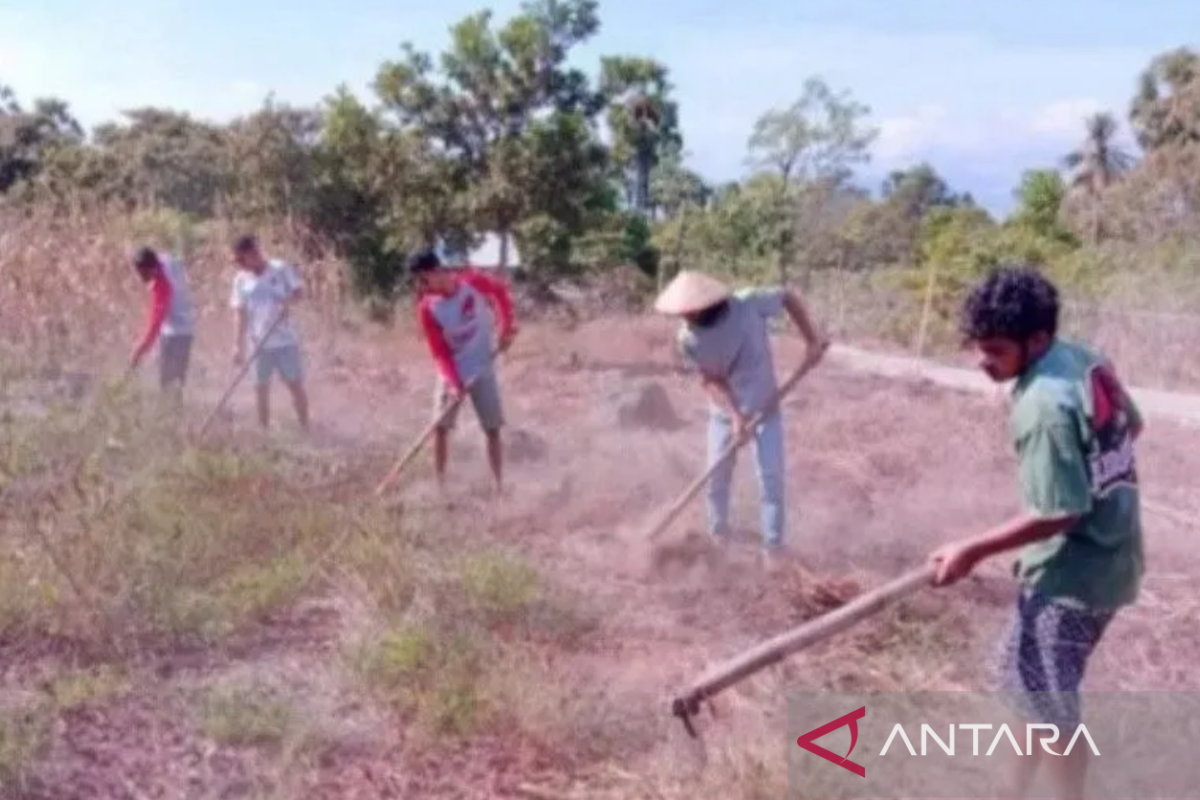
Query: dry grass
x=154, y=553
x=1143, y=316
x=239, y=618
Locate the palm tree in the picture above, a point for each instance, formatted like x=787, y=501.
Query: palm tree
x=646, y=116
x=1097, y=163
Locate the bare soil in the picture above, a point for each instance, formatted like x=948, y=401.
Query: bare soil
x=605, y=430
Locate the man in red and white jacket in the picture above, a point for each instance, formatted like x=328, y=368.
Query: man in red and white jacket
x=170, y=319
x=456, y=314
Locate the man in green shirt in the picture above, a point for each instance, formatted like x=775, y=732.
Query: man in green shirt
x=1079, y=535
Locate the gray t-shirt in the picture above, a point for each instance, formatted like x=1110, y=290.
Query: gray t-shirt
x=181, y=316
x=738, y=348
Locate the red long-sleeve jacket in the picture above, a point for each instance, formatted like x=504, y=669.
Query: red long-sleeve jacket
x=160, y=302
x=454, y=334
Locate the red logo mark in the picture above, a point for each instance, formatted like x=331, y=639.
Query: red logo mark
x=1106, y=394
x=468, y=308
x=807, y=741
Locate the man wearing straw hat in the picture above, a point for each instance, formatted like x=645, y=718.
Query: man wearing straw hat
x=725, y=336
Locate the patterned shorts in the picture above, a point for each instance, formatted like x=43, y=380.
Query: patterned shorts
x=1042, y=662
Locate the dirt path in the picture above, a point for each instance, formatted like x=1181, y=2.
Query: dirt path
x=1175, y=406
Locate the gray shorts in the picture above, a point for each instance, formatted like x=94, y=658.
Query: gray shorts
x=174, y=356
x=1042, y=662
x=284, y=360
x=485, y=397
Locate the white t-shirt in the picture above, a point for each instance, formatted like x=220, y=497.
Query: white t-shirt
x=262, y=296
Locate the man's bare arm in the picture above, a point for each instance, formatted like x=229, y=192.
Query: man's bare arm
x=241, y=322
x=295, y=292
x=798, y=311
x=721, y=394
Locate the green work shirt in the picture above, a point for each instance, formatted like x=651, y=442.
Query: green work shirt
x=1071, y=424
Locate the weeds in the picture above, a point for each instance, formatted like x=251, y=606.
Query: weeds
x=430, y=677
x=191, y=546
x=28, y=719
x=437, y=664
x=248, y=716
x=150, y=547
x=498, y=588
x=25, y=737
x=76, y=688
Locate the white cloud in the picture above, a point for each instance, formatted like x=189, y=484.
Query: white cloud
x=1064, y=118
x=10, y=59
x=245, y=87
x=902, y=136
x=932, y=129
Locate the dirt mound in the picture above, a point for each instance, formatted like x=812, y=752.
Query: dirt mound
x=647, y=405
x=684, y=553
x=624, y=340
x=524, y=446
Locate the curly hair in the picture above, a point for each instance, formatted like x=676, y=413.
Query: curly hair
x=1012, y=302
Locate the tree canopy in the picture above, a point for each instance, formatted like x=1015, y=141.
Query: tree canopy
x=587, y=169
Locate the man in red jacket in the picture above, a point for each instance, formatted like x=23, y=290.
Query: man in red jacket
x=170, y=319
x=455, y=314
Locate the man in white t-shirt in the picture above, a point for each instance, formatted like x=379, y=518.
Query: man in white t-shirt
x=263, y=292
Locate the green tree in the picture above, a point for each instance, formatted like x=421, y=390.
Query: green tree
x=1099, y=161
x=1040, y=199
x=918, y=190
x=1096, y=165
x=643, y=120
x=350, y=194
x=491, y=87
x=270, y=156
x=818, y=139
x=166, y=159
x=31, y=137
x=1165, y=111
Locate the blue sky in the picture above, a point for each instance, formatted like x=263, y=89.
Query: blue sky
x=980, y=88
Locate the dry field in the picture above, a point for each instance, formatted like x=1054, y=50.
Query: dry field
x=241, y=619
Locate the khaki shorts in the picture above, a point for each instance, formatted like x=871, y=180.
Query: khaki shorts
x=285, y=360
x=485, y=397
x=174, y=356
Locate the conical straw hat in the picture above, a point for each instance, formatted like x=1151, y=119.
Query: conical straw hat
x=690, y=291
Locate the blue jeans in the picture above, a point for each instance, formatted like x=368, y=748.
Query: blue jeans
x=768, y=456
